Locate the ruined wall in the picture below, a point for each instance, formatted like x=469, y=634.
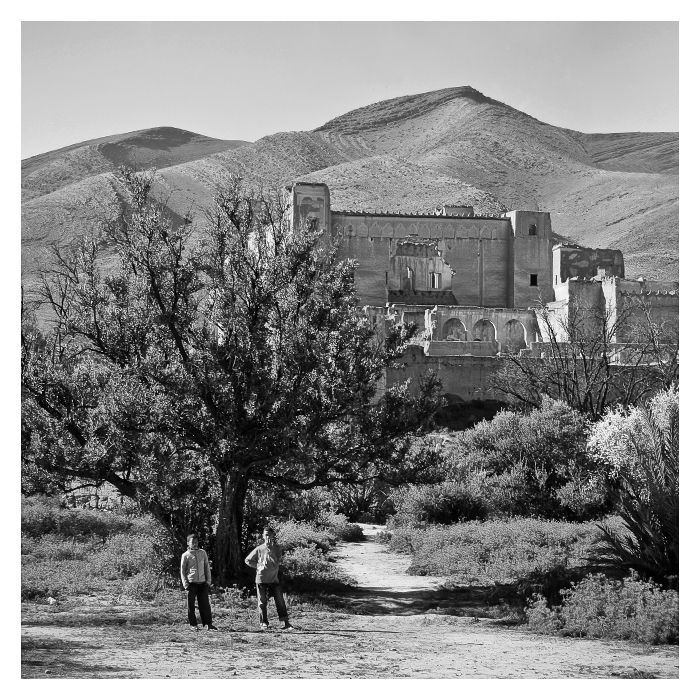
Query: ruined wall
x=477, y=250
x=574, y=261
x=467, y=377
x=634, y=306
x=311, y=201
x=418, y=266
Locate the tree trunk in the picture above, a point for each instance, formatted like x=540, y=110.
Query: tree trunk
x=229, y=563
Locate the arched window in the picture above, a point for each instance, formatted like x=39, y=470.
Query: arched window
x=514, y=336
x=485, y=331
x=454, y=330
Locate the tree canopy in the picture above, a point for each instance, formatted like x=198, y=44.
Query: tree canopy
x=208, y=361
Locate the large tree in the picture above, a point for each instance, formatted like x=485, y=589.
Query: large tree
x=203, y=362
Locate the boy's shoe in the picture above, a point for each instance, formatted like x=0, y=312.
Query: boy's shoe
x=212, y=627
x=287, y=627
x=264, y=626
x=194, y=627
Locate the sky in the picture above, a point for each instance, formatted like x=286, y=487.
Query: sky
x=244, y=80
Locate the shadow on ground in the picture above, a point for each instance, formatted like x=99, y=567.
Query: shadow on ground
x=54, y=658
x=497, y=600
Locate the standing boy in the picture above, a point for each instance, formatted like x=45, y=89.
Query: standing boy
x=196, y=578
x=265, y=559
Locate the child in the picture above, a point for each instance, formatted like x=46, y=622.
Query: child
x=196, y=578
x=266, y=560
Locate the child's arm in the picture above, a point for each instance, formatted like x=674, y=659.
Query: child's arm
x=252, y=559
x=207, y=569
x=183, y=569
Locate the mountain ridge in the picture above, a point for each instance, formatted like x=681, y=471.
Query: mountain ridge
x=408, y=153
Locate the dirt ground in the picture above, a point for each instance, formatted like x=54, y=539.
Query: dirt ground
x=392, y=626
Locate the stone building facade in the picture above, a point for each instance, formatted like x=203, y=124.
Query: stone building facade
x=472, y=284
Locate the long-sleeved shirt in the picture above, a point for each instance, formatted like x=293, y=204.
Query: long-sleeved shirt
x=266, y=560
x=194, y=567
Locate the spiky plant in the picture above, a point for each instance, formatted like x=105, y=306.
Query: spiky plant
x=649, y=505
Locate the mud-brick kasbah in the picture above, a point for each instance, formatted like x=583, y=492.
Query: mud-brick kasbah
x=476, y=286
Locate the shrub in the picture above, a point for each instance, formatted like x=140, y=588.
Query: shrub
x=496, y=550
x=602, y=607
x=339, y=527
x=445, y=503
x=649, y=503
x=309, y=568
x=42, y=515
x=532, y=464
x=292, y=534
x=143, y=586
x=125, y=555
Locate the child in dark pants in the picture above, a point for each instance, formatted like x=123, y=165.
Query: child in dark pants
x=265, y=559
x=196, y=578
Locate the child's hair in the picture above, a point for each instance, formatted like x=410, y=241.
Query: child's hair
x=269, y=529
x=192, y=537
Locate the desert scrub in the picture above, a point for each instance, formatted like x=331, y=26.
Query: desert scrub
x=339, y=527
x=292, y=534
x=68, y=551
x=496, y=550
x=306, y=564
x=610, y=609
x=308, y=568
x=444, y=503
x=43, y=516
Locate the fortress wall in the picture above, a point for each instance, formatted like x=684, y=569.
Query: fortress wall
x=373, y=256
x=477, y=250
x=467, y=377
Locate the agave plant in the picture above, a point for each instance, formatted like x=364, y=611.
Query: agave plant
x=648, y=505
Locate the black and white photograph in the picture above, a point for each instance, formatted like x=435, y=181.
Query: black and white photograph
x=349, y=350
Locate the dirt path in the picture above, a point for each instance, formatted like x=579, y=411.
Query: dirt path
x=390, y=627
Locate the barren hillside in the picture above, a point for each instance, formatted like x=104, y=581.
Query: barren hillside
x=409, y=154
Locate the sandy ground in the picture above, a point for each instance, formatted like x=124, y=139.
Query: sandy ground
x=395, y=631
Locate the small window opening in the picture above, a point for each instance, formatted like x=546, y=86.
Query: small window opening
x=533, y=280
x=435, y=279
x=532, y=231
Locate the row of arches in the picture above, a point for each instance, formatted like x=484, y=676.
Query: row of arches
x=484, y=330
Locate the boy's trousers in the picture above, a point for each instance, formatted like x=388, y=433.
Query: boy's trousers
x=200, y=592
x=263, y=590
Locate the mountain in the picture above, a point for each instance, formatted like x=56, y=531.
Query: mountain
x=409, y=153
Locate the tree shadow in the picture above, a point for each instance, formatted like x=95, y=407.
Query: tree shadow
x=459, y=600
x=41, y=654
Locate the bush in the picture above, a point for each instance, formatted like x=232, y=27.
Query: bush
x=496, y=550
x=649, y=503
x=339, y=527
x=445, y=503
x=124, y=556
x=308, y=568
x=610, y=609
x=67, y=552
x=42, y=516
x=532, y=464
x=143, y=586
x=292, y=534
